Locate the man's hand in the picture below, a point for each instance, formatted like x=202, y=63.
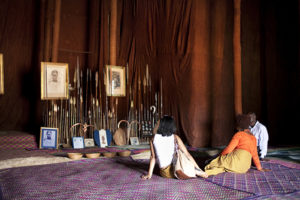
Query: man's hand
x=264, y=159
x=265, y=170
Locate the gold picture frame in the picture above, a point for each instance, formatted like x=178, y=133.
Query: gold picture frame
x=115, y=81
x=1, y=74
x=54, y=80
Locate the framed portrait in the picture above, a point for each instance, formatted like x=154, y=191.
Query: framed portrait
x=78, y=142
x=115, y=81
x=89, y=142
x=1, y=74
x=134, y=141
x=49, y=138
x=100, y=137
x=54, y=80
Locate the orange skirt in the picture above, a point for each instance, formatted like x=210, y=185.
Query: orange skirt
x=238, y=161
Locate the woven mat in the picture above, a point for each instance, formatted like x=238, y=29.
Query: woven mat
x=280, y=180
x=119, y=178
x=17, y=140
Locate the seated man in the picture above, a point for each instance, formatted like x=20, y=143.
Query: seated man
x=261, y=134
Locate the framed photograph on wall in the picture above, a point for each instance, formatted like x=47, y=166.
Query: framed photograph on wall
x=1, y=74
x=54, y=80
x=115, y=81
x=78, y=142
x=48, y=138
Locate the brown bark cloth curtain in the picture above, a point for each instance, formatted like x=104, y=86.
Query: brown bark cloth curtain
x=189, y=45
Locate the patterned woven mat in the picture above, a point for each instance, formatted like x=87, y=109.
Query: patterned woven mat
x=17, y=140
x=104, y=178
x=119, y=178
x=280, y=180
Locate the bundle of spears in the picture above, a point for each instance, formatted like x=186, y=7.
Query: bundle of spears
x=86, y=105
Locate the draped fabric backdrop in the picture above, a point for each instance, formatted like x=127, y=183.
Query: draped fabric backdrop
x=188, y=44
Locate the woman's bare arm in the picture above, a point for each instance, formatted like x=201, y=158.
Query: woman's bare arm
x=152, y=163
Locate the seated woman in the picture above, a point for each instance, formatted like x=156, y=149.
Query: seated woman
x=162, y=147
x=236, y=157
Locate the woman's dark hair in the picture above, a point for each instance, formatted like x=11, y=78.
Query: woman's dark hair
x=167, y=126
x=243, y=121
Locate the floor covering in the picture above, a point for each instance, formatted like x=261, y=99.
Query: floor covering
x=119, y=178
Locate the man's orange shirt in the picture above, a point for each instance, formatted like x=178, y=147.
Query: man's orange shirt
x=245, y=141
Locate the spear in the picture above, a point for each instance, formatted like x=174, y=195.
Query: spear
x=116, y=114
x=67, y=126
x=94, y=114
x=89, y=117
x=139, y=99
x=147, y=93
x=91, y=97
x=86, y=96
x=72, y=110
x=46, y=114
x=81, y=97
x=106, y=110
x=61, y=116
x=49, y=119
x=79, y=81
x=73, y=115
x=56, y=109
x=52, y=114
x=145, y=106
x=96, y=99
x=127, y=73
x=150, y=101
x=100, y=104
x=144, y=99
x=97, y=114
x=62, y=123
x=161, y=98
x=108, y=43
x=81, y=106
x=143, y=124
x=156, y=105
x=136, y=129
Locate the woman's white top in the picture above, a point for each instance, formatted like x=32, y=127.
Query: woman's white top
x=164, y=148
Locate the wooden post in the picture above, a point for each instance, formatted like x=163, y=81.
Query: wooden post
x=237, y=57
x=56, y=30
x=113, y=33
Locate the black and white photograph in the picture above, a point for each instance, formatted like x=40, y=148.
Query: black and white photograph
x=134, y=141
x=115, y=81
x=78, y=142
x=89, y=142
x=48, y=138
x=54, y=80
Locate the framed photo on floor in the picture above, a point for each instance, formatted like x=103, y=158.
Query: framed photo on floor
x=89, y=142
x=1, y=74
x=115, y=81
x=134, y=141
x=54, y=80
x=48, y=138
x=78, y=142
